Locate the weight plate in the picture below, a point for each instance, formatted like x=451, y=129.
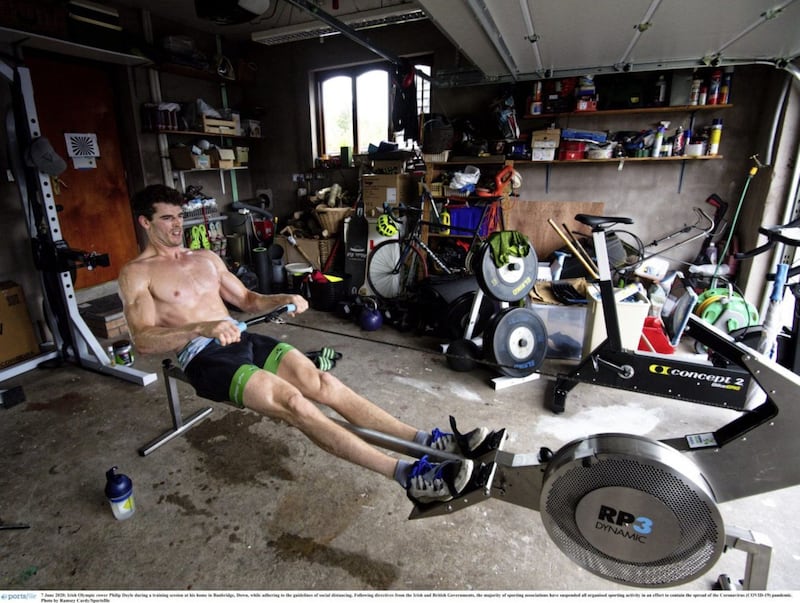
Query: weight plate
x=462, y=354
x=458, y=313
x=510, y=282
x=516, y=341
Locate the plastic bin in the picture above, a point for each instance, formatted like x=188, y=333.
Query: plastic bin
x=653, y=332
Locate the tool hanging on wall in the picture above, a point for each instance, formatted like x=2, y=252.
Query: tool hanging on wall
x=289, y=234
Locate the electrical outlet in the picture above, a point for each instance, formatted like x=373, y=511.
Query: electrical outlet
x=265, y=195
x=298, y=178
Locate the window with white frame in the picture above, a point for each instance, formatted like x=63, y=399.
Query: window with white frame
x=355, y=106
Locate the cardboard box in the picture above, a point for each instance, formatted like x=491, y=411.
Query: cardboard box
x=316, y=249
x=546, y=139
x=630, y=315
x=242, y=155
x=377, y=189
x=182, y=158
x=385, y=166
x=539, y=154
x=17, y=339
x=222, y=158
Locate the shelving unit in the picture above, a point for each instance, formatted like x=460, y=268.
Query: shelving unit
x=691, y=110
x=432, y=171
x=631, y=111
x=225, y=139
x=182, y=175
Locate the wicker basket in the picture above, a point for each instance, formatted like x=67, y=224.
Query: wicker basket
x=331, y=218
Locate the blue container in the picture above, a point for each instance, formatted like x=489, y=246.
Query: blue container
x=119, y=491
x=465, y=220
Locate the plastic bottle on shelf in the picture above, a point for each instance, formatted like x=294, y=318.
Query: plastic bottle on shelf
x=714, y=86
x=694, y=92
x=725, y=88
x=715, y=136
x=678, y=142
x=656, y=152
x=661, y=91
x=703, y=96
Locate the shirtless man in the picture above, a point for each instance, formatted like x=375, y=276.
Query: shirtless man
x=174, y=301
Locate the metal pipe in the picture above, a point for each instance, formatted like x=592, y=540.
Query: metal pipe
x=481, y=12
x=641, y=27
x=532, y=37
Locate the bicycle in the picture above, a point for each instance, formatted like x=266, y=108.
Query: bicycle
x=396, y=265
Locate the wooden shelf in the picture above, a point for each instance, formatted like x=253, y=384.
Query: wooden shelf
x=631, y=111
x=619, y=160
x=26, y=39
x=195, y=221
x=192, y=72
x=201, y=134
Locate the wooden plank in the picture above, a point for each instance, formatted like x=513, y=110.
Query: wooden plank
x=530, y=218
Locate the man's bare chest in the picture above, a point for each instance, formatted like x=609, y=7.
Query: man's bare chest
x=188, y=281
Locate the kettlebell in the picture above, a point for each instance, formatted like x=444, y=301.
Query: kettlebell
x=370, y=319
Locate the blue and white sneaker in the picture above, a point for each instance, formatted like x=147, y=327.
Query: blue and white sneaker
x=438, y=482
x=473, y=444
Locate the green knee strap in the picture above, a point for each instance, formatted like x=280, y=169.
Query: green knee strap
x=244, y=372
x=275, y=357
x=240, y=379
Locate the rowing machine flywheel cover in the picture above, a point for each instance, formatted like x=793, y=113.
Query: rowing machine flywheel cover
x=516, y=341
x=510, y=282
x=631, y=510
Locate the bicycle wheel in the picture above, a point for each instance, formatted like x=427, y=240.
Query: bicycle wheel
x=388, y=277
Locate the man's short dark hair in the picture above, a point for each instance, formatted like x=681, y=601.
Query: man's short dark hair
x=144, y=201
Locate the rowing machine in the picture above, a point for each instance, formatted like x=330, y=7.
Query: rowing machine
x=610, y=365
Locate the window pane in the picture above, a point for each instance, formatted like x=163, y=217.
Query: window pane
x=337, y=113
x=372, y=94
x=423, y=89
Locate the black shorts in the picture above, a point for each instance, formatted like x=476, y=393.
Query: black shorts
x=220, y=373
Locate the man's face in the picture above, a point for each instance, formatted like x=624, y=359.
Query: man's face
x=166, y=227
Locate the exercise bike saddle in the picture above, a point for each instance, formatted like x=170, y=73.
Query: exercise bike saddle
x=598, y=222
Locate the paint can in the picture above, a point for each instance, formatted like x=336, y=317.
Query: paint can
x=123, y=352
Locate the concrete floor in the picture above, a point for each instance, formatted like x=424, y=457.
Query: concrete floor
x=242, y=502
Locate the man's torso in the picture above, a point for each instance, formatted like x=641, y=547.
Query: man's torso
x=186, y=289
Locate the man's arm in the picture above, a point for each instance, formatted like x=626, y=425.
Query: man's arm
x=234, y=292
x=140, y=313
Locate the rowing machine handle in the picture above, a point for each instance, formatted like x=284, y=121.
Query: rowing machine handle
x=269, y=316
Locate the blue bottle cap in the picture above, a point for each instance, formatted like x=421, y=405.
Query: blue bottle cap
x=118, y=485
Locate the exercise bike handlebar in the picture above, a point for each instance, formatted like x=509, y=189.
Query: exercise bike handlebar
x=775, y=235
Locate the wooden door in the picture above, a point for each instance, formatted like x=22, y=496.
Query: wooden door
x=78, y=97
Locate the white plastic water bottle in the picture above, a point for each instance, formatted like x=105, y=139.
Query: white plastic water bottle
x=711, y=253
x=119, y=491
